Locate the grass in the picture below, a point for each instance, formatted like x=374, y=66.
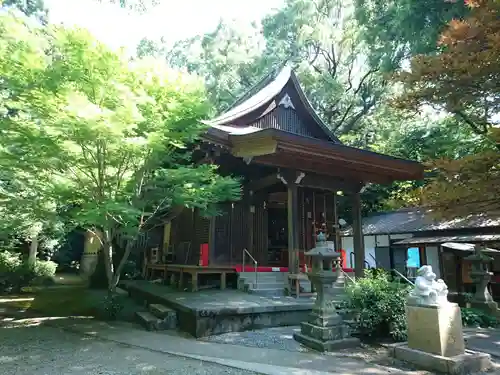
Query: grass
x=69, y=296
x=57, y=301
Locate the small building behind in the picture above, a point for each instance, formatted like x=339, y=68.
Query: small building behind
x=406, y=239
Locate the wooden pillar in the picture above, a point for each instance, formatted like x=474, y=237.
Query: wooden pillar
x=358, y=239
x=211, y=240
x=293, y=227
x=251, y=214
x=338, y=240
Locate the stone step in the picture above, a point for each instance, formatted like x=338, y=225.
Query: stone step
x=158, y=318
x=265, y=285
x=268, y=292
x=147, y=320
x=263, y=280
x=161, y=311
x=263, y=276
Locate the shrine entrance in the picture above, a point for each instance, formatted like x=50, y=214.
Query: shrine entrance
x=277, y=230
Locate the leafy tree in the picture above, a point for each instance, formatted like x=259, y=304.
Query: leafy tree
x=135, y=5
x=463, y=80
x=113, y=135
x=395, y=30
x=35, y=8
x=318, y=38
x=321, y=39
x=148, y=47
x=226, y=58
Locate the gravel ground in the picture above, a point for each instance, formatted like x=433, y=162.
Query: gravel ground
x=282, y=338
x=49, y=351
x=272, y=338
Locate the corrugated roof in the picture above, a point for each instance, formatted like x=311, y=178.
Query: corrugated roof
x=419, y=220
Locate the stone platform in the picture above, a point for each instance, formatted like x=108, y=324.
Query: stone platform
x=213, y=312
x=462, y=364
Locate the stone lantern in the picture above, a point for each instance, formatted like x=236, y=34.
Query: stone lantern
x=481, y=276
x=325, y=330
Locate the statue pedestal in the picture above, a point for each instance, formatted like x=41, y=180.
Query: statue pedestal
x=435, y=329
x=435, y=341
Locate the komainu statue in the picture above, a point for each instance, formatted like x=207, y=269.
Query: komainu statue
x=427, y=290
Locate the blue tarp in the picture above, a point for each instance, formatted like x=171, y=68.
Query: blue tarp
x=413, y=257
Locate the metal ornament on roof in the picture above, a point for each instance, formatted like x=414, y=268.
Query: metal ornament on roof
x=286, y=102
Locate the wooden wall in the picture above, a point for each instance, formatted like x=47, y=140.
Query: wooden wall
x=238, y=228
x=189, y=227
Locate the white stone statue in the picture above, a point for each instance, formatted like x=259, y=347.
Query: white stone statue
x=427, y=290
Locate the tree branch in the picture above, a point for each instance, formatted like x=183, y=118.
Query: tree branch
x=471, y=123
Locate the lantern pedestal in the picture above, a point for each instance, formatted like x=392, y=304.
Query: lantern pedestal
x=325, y=330
x=481, y=276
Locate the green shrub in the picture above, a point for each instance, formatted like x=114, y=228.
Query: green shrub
x=44, y=268
x=112, y=306
x=10, y=267
x=15, y=273
x=478, y=318
x=379, y=306
x=9, y=262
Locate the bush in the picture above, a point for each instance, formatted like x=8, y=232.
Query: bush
x=112, y=306
x=42, y=272
x=478, y=318
x=10, y=264
x=15, y=274
x=379, y=306
x=44, y=268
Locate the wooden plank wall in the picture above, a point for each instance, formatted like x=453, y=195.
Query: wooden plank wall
x=190, y=227
x=260, y=236
x=231, y=234
x=231, y=229
x=219, y=254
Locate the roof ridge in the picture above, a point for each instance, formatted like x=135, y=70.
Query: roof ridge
x=266, y=78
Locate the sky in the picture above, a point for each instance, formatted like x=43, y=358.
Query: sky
x=172, y=19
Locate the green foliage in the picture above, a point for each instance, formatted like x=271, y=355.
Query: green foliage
x=15, y=273
x=116, y=142
x=379, y=306
x=34, y=8
x=44, y=268
x=318, y=38
x=478, y=318
x=9, y=262
x=111, y=306
x=226, y=58
x=134, y=5
x=398, y=29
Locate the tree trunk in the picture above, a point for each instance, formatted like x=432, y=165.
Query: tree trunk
x=108, y=258
x=35, y=230
x=119, y=269
x=33, y=250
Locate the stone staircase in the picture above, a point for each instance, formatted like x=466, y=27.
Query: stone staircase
x=272, y=284
x=157, y=318
x=269, y=284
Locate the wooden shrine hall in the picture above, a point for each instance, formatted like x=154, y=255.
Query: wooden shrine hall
x=292, y=167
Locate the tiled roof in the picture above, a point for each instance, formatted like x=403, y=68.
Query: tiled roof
x=419, y=220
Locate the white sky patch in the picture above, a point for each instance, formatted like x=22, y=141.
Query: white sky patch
x=174, y=20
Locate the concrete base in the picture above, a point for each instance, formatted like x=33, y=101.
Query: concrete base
x=326, y=346
x=214, y=312
x=325, y=333
x=461, y=364
x=435, y=329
